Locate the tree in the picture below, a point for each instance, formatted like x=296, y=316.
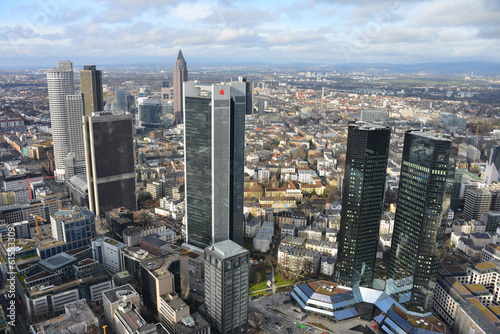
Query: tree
x=300, y=153
x=270, y=261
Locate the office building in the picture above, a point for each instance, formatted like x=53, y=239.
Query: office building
x=120, y=308
x=425, y=186
x=362, y=202
x=492, y=167
x=477, y=202
x=77, y=318
x=374, y=116
x=109, y=157
x=66, y=110
x=150, y=112
x=226, y=287
x=121, y=99
x=467, y=298
x=214, y=141
x=180, y=76
x=108, y=252
x=91, y=89
x=74, y=227
x=162, y=276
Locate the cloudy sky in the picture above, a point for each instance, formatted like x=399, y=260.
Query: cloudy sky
x=40, y=32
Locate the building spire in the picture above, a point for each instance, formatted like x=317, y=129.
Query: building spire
x=180, y=56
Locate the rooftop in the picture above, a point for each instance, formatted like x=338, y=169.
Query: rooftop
x=227, y=248
x=78, y=318
x=429, y=322
x=57, y=261
x=113, y=294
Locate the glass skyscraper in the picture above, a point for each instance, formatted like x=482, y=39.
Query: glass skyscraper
x=362, y=202
x=214, y=140
x=425, y=187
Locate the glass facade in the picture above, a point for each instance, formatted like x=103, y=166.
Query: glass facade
x=425, y=187
x=198, y=162
x=214, y=129
x=150, y=113
x=362, y=203
x=110, y=162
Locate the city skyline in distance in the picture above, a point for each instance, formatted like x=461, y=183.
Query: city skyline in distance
x=118, y=31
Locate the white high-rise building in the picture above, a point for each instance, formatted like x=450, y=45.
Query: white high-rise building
x=66, y=111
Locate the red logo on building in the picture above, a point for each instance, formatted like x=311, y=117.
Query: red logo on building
x=221, y=91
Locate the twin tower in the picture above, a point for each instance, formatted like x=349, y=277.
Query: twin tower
x=426, y=181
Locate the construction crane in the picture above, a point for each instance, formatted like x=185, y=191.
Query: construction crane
x=484, y=126
x=29, y=184
x=54, y=201
x=36, y=222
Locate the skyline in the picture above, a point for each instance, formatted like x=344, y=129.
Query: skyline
x=312, y=31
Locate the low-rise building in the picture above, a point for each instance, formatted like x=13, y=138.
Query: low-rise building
x=77, y=318
x=107, y=252
x=463, y=297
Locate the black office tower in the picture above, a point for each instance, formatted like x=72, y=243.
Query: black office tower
x=109, y=157
x=362, y=202
x=425, y=187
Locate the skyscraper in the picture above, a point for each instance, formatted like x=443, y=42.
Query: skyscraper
x=109, y=157
x=66, y=110
x=362, y=202
x=493, y=166
x=214, y=141
x=91, y=88
x=180, y=76
x=121, y=99
x=226, y=287
x=150, y=112
x=425, y=186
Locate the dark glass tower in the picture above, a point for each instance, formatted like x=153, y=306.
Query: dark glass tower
x=362, y=202
x=91, y=88
x=109, y=158
x=180, y=76
x=425, y=187
x=214, y=140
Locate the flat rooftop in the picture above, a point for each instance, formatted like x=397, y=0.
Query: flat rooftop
x=114, y=294
x=429, y=322
x=77, y=314
x=57, y=261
